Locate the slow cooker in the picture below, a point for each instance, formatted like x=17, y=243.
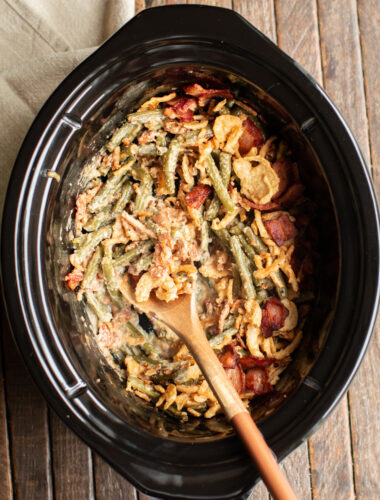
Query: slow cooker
x=158, y=48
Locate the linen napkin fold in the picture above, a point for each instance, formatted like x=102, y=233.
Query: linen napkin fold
x=41, y=41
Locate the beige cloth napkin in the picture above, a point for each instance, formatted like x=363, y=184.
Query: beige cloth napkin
x=41, y=41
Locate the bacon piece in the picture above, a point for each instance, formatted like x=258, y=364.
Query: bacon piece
x=251, y=137
x=229, y=357
x=281, y=229
x=74, y=278
x=182, y=108
x=237, y=377
x=284, y=171
x=197, y=196
x=273, y=316
x=272, y=205
x=253, y=361
x=292, y=195
x=256, y=380
x=197, y=90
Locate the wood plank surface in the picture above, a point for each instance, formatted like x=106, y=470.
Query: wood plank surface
x=28, y=428
x=297, y=31
x=365, y=390
x=6, y=490
x=72, y=463
x=260, y=13
x=109, y=485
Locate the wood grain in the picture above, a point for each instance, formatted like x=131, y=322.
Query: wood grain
x=369, y=23
x=6, y=491
x=342, y=69
x=297, y=31
x=28, y=426
x=109, y=485
x=296, y=467
x=330, y=458
x=260, y=13
x=217, y=3
x=72, y=463
x=365, y=390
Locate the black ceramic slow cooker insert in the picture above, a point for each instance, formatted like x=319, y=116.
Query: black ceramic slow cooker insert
x=158, y=48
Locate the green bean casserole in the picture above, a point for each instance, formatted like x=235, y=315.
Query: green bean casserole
x=192, y=193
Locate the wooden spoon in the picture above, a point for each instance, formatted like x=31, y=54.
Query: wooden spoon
x=181, y=316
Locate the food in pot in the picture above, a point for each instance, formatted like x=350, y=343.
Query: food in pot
x=193, y=193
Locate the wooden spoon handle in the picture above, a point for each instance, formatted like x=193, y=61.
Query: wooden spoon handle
x=235, y=411
x=270, y=471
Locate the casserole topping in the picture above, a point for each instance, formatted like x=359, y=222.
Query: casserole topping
x=190, y=192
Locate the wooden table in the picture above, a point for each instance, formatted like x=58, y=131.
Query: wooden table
x=338, y=42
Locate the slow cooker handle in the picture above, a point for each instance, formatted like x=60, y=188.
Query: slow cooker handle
x=193, y=22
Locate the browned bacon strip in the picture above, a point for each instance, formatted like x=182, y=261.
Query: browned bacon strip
x=253, y=361
x=237, y=377
x=273, y=316
x=197, y=196
x=229, y=357
x=251, y=137
x=182, y=108
x=283, y=169
x=197, y=90
x=281, y=229
x=256, y=380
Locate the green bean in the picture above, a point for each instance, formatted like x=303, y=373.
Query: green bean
x=92, y=241
x=135, y=331
x=139, y=385
x=170, y=165
x=224, y=237
x=247, y=248
x=219, y=187
x=78, y=241
x=146, y=116
x=278, y=280
x=225, y=172
x=189, y=137
x=236, y=286
x=139, y=356
x=229, y=322
x=110, y=282
x=205, y=241
x=261, y=296
x=225, y=167
x=106, y=192
x=245, y=275
x=255, y=240
x=133, y=253
x=100, y=219
x=102, y=311
x=218, y=339
x=152, y=150
x=145, y=188
x=179, y=415
x=92, y=268
x=125, y=196
x=144, y=263
x=124, y=131
x=213, y=208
